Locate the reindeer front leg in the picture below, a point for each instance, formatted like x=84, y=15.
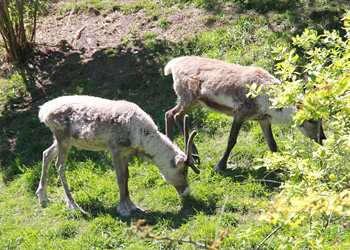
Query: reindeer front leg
x=176, y=115
x=184, y=106
x=169, y=122
x=125, y=206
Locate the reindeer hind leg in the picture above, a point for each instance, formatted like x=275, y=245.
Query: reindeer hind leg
x=236, y=126
x=48, y=155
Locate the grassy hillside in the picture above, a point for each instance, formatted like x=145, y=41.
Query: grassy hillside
x=117, y=50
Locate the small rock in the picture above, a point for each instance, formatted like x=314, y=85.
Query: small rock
x=108, y=20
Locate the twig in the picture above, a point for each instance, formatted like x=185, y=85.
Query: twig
x=70, y=14
x=279, y=182
x=341, y=182
x=78, y=34
x=217, y=227
x=270, y=241
x=272, y=233
x=148, y=235
x=327, y=225
x=34, y=21
x=61, y=17
x=329, y=219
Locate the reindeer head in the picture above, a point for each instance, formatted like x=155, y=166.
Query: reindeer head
x=181, y=162
x=313, y=130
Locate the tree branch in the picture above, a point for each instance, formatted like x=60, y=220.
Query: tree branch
x=272, y=233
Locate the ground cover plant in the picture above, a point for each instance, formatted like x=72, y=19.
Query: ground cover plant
x=117, y=50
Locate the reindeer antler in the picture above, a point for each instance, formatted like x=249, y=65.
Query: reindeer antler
x=189, y=156
x=188, y=142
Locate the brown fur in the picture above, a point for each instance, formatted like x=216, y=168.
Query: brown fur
x=222, y=87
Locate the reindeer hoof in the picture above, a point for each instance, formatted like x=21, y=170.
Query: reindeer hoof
x=127, y=208
x=44, y=203
x=137, y=210
x=74, y=206
x=222, y=166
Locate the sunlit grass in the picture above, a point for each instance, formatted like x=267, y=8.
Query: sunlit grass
x=232, y=200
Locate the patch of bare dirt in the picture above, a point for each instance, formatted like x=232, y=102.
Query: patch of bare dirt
x=89, y=32
x=73, y=44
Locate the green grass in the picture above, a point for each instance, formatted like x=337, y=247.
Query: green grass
x=95, y=189
x=99, y=7
x=12, y=88
x=246, y=37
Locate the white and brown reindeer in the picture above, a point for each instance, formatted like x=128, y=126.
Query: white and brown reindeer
x=221, y=87
x=93, y=123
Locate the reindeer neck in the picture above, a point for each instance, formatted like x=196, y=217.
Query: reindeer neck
x=160, y=148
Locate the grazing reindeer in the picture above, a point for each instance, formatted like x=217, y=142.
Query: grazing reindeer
x=221, y=87
x=124, y=129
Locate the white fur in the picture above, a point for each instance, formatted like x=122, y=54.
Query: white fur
x=93, y=123
x=169, y=66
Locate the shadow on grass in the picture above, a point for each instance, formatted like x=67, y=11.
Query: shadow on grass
x=270, y=179
x=191, y=206
x=313, y=14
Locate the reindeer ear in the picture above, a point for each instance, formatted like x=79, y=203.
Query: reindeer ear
x=176, y=161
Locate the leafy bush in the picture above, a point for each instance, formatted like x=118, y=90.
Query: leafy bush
x=317, y=191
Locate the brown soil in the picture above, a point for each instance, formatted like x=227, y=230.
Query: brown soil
x=73, y=44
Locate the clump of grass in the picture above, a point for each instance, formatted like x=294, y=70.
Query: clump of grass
x=12, y=90
x=99, y=7
x=137, y=6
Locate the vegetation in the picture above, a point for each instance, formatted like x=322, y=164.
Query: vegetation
x=318, y=190
x=297, y=198
x=17, y=35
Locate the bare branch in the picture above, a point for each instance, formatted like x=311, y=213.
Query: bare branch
x=210, y=244
x=222, y=211
x=272, y=233
x=279, y=182
x=34, y=21
x=78, y=34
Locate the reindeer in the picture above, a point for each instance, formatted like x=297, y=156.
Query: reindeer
x=124, y=129
x=222, y=87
